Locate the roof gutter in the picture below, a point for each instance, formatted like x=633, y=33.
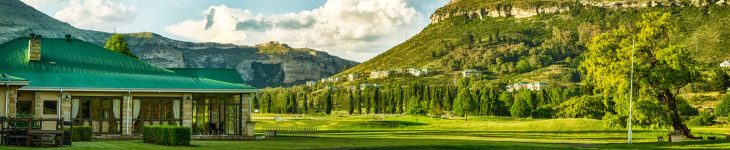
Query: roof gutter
x=140, y=90
x=9, y=83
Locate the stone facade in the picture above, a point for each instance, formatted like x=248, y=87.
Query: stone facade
x=127, y=113
x=13, y=92
x=38, y=105
x=187, y=107
x=66, y=106
x=246, y=117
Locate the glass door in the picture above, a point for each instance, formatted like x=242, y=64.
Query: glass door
x=216, y=114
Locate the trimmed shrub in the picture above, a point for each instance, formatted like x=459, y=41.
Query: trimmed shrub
x=166, y=135
x=81, y=133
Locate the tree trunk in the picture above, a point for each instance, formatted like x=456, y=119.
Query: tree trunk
x=668, y=98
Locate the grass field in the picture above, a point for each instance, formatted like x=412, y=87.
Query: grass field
x=408, y=132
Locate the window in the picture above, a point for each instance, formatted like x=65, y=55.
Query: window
x=50, y=107
x=25, y=107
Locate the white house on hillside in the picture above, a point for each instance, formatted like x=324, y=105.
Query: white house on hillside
x=470, y=72
x=352, y=77
x=311, y=83
x=725, y=64
x=534, y=86
x=418, y=72
x=380, y=74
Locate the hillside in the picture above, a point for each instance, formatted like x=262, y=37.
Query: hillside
x=256, y=66
x=505, y=37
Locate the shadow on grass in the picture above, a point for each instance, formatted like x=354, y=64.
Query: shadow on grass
x=539, y=135
x=427, y=144
x=387, y=124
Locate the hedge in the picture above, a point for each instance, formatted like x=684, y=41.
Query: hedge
x=166, y=135
x=81, y=133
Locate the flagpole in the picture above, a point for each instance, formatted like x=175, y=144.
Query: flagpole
x=631, y=92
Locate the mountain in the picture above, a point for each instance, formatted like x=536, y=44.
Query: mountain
x=256, y=64
x=519, y=40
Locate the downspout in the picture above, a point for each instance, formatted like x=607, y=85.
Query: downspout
x=58, y=105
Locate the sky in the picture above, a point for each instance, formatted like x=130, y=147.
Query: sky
x=352, y=29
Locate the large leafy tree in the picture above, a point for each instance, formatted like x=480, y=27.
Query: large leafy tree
x=661, y=67
x=118, y=43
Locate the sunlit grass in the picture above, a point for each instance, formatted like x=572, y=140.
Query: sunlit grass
x=410, y=132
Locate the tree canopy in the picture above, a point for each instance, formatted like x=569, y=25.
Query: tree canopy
x=661, y=69
x=118, y=43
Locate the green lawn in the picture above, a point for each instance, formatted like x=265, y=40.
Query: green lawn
x=373, y=132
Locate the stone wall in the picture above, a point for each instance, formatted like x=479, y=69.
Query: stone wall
x=126, y=113
x=12, y=100
x=187, y=110
x=246, y=115
x=66, y=106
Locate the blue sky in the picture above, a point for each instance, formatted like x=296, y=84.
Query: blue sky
x=353, y=29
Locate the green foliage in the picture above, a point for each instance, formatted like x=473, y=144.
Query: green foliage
x=81, y=133
x=464, y=103
x=117, y=43
x=612, y=120
x=167, y=135
x=522, y=107
x=590, y=107
x=685, y=109
x=723, y=107
x=662, y=67
x=329, y=104
x=416, y=108
x=704, y=119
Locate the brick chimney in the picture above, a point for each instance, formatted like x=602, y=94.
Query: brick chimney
x=34, y=48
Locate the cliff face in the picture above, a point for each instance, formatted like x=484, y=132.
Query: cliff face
x=522, y=10
x=256, y=65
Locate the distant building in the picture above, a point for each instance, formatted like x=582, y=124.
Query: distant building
x=311, y=83
x=418, y=72
x=533, y=86
x=470, y=73
x=381, y=74
x=364, y=86
x=352, y=77
x=331, y=80
x=725, y=64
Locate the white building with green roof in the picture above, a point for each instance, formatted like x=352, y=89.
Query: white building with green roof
x=116, y=94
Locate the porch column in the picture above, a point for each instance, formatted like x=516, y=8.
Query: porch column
x=187, y=110
x=38, y=105
x=66, y=106
x=246, y=114
x=12, y=101
x=126, y=114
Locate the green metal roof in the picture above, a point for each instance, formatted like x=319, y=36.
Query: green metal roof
x=8, y=78
x=77, y=64
x=225, y=75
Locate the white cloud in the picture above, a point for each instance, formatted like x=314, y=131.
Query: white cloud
x=40, y=3
x=354, y=29
x=102, y=15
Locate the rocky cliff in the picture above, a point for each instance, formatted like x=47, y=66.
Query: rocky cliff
x=256, y=64
x=474, y=9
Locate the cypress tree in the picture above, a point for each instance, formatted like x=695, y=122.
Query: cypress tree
x=376, y=101
x=306, y=104
x=328, y=100
x=352, y=103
